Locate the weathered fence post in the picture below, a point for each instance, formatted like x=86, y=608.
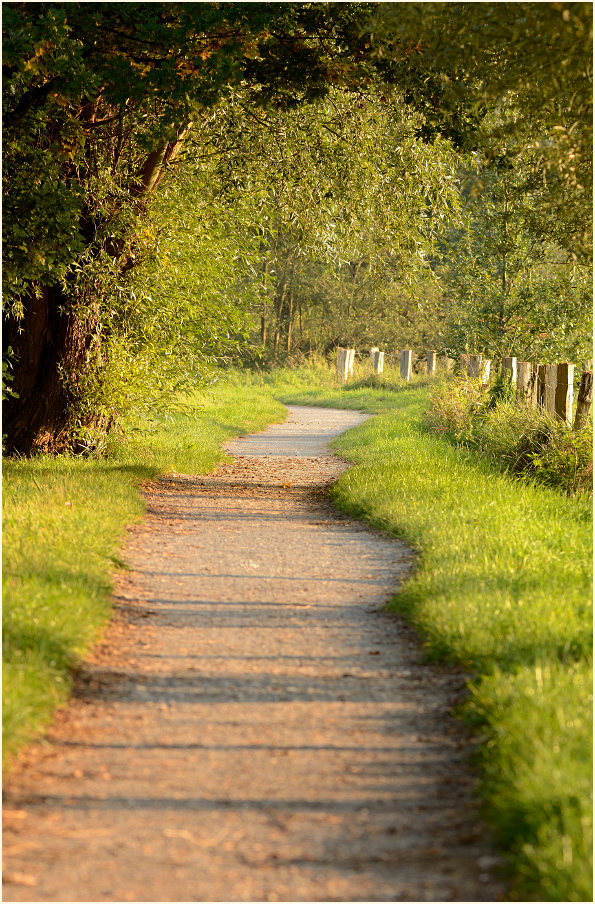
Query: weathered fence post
x=475, y=366
x=484, y=370
x=342, y=362
x=448, y=364
x=378, y=362
x=551, y=379
x=405, y=364
x=373, y=351
x=527, y=383
x=564, y=391
x=431, y=359
x=584, y=400
x=350, y=360
x=541, y=385
x=509, y=369
x=464, y=364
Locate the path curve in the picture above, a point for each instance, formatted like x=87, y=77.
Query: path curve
x=253, y=727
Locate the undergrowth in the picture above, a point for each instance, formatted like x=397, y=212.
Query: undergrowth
x=525, y=441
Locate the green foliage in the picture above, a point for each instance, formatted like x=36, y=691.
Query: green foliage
x=510, y=289
x=321, y=136
x=7, y=376
x=99, y=100
x=532, y=62
x=346, y=201
x=524, y=441
x=186, y=306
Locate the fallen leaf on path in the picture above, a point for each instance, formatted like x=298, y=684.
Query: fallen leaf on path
x=19, y=879
x=178, y=833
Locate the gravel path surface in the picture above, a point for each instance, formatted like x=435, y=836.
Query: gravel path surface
x=254, y=727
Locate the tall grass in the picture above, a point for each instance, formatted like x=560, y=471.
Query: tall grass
x=503, y=588
x=522, y=440
x=64, y=518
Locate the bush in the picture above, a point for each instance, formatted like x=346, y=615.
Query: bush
x=525, y=441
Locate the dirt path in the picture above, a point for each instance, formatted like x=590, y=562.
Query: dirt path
x=254, y=727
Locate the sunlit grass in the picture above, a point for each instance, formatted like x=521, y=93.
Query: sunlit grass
x=63, y=519
x=503, y=587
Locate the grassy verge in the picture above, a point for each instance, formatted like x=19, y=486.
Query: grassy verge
x=64, y=519
x=503, y=588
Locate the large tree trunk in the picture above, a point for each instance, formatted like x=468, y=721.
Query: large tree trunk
x=51, y=348
x=54, y=347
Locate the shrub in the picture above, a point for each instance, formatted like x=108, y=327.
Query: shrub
x=523, y=440
x=453, y=407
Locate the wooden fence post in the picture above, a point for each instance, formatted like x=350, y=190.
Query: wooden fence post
x=564, y=391
x=378, y=362
x=342, y=364
x=350, y=360
x=373, y=351
x=527, y=383
x=509, y=369
x=475, y=366
x=541, y=384
x=551, y=380
x=484, y=370
x=584, y=400
x=448, y=364
x=405, y=364
x=431, y=359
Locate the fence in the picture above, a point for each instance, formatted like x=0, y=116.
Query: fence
x=547, y=386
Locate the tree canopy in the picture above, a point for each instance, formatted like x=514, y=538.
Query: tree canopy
x=320, y=159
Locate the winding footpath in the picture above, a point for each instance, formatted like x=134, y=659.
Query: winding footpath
x=254, y=726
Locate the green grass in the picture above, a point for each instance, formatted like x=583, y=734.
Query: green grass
x=64, y=519
x=503, y=588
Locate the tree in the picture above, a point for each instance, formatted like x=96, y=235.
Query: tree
x=347, y=201
x=530, y=63
x=510, y=289
x=98, y=101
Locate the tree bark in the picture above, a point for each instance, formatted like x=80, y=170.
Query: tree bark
x=51, y=343
x=584, y=401
x=51, y=347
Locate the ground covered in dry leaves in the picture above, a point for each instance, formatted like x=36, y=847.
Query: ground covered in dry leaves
x=254, y=726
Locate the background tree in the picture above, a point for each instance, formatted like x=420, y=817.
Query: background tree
x=509, y=288
x=348, y=201
x=530, y=63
